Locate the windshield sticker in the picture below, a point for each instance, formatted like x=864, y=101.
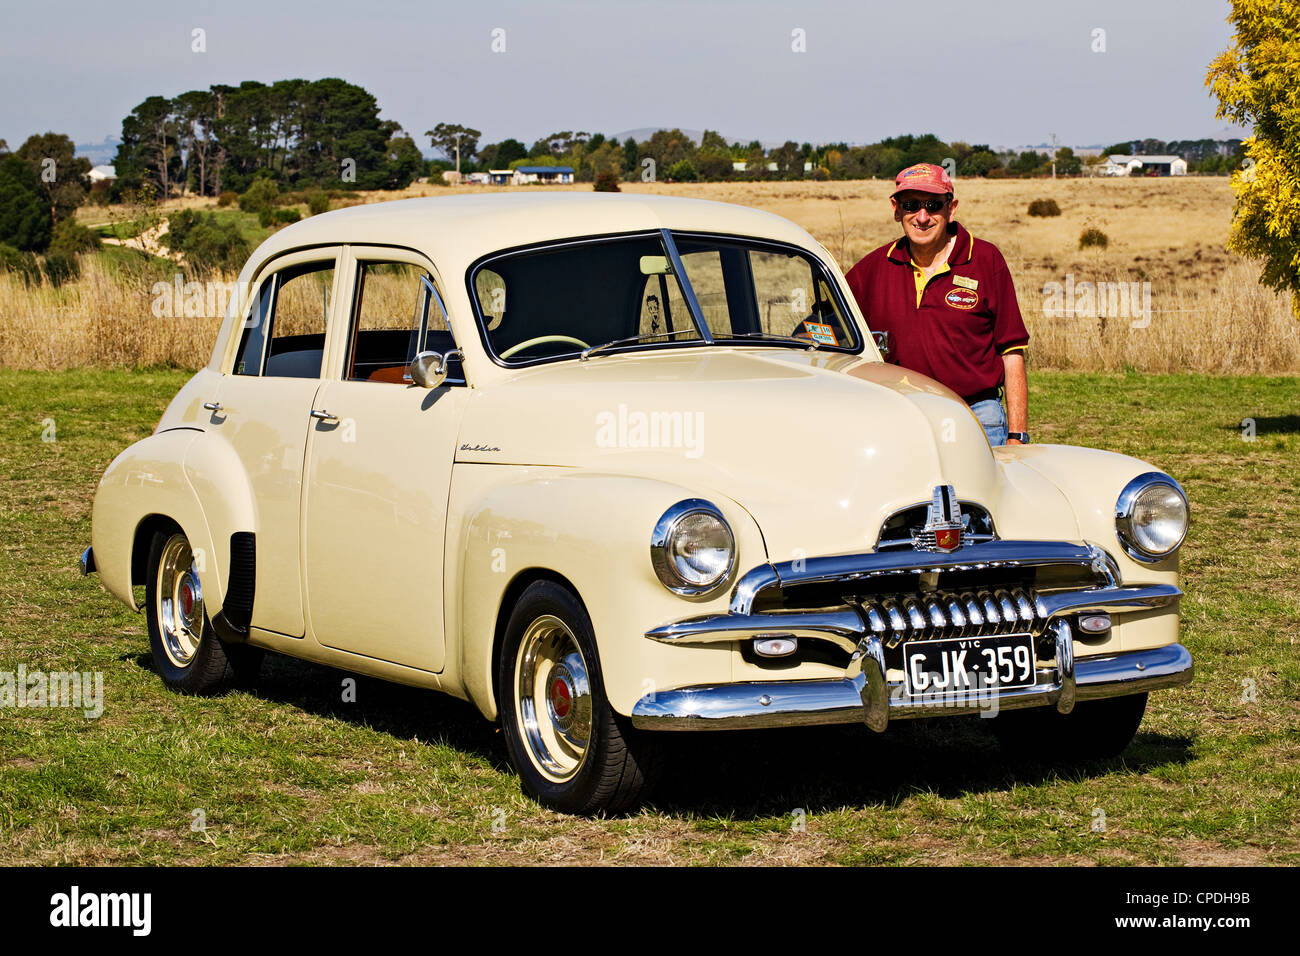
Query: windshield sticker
x=820, y=332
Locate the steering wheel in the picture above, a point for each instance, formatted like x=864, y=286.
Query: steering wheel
x=529, y=343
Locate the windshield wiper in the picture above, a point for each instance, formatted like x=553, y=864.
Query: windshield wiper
x=630, y=340
x=811, y=344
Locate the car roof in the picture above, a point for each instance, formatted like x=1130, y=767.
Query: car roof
x=456, y=230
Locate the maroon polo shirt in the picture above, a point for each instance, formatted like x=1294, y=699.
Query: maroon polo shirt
x=967, y=319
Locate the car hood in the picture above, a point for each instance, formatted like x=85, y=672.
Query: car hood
x=819, y=447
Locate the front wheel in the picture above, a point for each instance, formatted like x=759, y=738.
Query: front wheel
x=572, y=752
x=187, y=654
x=1093, y=730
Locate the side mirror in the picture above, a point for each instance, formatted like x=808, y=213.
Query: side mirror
x=882, y=343
x=428, y=369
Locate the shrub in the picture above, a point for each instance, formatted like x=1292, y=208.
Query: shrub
x=227, y=198
x=607, y=183
x=262, y=194
x=283, y=217
x=61, y=268
x=21, y=263
x=71, y=238
x=1044, y=207
x=683, y=171
x=207, y=241
x=1093, y=237
x=318, y=201
x=100, y=193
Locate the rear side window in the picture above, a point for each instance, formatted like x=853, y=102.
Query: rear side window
x=284, y=331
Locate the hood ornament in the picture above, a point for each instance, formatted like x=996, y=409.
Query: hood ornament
x=942, y=531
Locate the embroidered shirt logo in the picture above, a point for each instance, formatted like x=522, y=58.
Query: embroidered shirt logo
x=963, y=299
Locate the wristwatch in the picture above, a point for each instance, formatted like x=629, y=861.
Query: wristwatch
x=1022, y=437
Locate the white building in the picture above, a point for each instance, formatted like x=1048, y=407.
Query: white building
x=1118, y=165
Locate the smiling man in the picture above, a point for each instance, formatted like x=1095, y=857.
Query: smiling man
x=949, y=305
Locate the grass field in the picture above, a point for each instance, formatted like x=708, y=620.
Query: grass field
x=288, y=772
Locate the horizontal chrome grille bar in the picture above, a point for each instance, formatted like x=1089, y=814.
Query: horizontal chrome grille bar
x=988, y=555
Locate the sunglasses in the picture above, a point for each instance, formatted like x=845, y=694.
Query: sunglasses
x=931, y=205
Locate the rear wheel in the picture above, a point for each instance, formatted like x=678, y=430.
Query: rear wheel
x=1093, y=730
x=572, y=752
x=187, y=653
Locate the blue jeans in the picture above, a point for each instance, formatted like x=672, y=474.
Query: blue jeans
x=993, y=418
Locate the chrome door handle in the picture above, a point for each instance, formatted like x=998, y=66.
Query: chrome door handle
x=323, y=415
x=212, y=406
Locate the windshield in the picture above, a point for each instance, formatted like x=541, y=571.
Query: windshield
x=558, y=301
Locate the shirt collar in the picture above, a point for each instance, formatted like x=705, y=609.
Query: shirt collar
x=962, y=250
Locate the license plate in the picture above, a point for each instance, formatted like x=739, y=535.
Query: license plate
x=960, y=664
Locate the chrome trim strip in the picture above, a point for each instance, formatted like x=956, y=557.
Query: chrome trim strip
x=843, y=628
x=846, y=625
x=688, y=291
x=759, y=704
x=857, y=567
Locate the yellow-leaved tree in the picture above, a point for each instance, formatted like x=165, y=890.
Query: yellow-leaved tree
x=1257, y=82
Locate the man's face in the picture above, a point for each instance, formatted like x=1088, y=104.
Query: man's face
x=923, y=227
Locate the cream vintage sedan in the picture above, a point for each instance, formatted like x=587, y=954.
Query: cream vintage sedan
x=611, y=466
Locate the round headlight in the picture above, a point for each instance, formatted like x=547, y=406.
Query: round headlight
x=1151, y=516
x=692, y=548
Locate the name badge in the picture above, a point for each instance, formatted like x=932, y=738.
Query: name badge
x=966, y=282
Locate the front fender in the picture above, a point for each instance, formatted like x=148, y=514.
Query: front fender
x=1092, y=480
x=593, y=530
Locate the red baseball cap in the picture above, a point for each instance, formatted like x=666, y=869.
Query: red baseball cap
x=923, y=177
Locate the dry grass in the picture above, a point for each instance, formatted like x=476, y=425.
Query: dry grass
x=1208, y=313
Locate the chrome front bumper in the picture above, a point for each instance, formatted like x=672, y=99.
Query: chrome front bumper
x=869, y=698
x=865, y=693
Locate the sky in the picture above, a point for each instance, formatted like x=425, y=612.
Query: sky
x=1006, y=73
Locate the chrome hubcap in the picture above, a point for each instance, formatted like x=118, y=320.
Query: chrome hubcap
x=553, y=698
x=179, y=601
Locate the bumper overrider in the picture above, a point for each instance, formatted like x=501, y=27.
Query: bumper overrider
x=866, y=692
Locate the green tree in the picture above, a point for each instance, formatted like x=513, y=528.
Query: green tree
x=1255, y=81
x=1068, y=164
x=149, y=149
x=25, y=220
x=405, y=162
x=62, y=174
x=448, y=138
x=788, y=163
x=631, y=156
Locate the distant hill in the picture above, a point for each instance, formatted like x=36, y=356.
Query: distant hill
x=100, y=154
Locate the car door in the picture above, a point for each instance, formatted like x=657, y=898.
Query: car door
x=378, y=470
x=264, y=408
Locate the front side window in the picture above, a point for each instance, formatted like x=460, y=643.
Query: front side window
x=397, y=314
x=554, y=302
x=284, y=331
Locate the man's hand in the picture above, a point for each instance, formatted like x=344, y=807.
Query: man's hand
x=1017, y=387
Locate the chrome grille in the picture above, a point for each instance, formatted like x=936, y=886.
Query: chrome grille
x=936, y=614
